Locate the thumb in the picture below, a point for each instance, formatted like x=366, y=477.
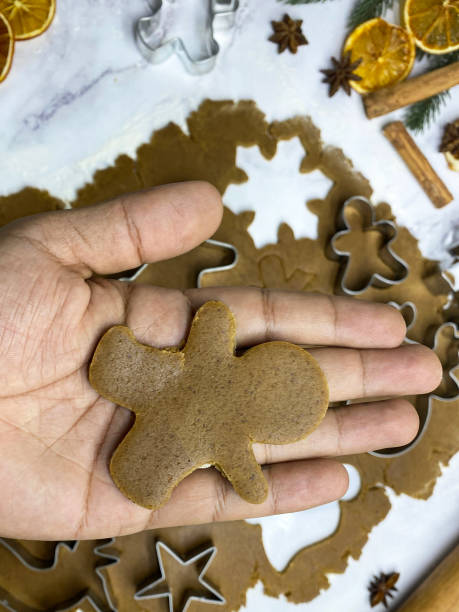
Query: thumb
x=138, y=228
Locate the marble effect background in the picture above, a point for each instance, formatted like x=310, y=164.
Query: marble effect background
x=81, y=94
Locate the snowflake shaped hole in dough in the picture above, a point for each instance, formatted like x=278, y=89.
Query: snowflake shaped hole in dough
x=277, y=191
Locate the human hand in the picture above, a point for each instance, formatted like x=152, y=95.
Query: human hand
x=57, y=435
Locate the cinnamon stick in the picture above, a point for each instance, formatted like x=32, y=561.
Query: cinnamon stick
x=388, y=99
x=426, y=176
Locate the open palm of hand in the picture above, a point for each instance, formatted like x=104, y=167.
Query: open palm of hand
x=57, y=434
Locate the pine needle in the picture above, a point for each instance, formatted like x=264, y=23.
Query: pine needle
x=421, y=114
x=368, y=9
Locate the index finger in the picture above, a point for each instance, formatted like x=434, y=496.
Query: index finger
x=306, y=318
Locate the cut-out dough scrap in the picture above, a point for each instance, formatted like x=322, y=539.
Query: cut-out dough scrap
x=203, y=405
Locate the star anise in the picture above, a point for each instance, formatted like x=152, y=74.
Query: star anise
x=382, y=587
x=450, y=140
x=288, y=34
x=341, y=74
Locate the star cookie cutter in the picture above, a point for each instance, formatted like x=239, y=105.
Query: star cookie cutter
x=43, y=565
x=388, y=229
x=147, y=592
x=222, y=16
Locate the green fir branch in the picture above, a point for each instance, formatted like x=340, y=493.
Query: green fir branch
x=368, y=9
x=421, y=114
x=439, y=61
x=420, y=54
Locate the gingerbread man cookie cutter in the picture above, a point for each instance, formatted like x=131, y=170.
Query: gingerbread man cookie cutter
x=450, y=369
x=222, y=15
x=407, y=305
x=151, y=590
x=426, y=402
x=389, y=231
x=43, y=565
x=424, y=410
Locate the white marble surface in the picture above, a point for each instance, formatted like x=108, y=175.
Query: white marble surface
x=81, y=94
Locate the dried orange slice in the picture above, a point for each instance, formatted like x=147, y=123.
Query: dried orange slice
x=28, y=18
x=6, y=47
x=387, y=53
x=434, y=24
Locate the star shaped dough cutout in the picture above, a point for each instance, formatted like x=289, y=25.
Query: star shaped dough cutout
x=182, y=582
x=202, y=405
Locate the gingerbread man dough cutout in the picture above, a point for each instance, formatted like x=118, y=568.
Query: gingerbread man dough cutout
x=203, y=405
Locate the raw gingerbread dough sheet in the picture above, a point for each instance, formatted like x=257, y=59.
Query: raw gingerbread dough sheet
x=290, y=262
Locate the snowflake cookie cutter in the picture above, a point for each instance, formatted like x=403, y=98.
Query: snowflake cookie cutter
x=221, y=17
x=389, y=231
x=43, y=565
x=148, y=591
x=425, y=405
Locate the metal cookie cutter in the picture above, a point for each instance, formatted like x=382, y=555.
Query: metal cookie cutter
x=414, y=313
x=222, y=15
x=454, y=395
x=159, y=588
x=137, y=272
x=36, y=563
x=43, y=565
x=225, y=245
x=389, y=231
x=424, y=407
x=422, y=403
